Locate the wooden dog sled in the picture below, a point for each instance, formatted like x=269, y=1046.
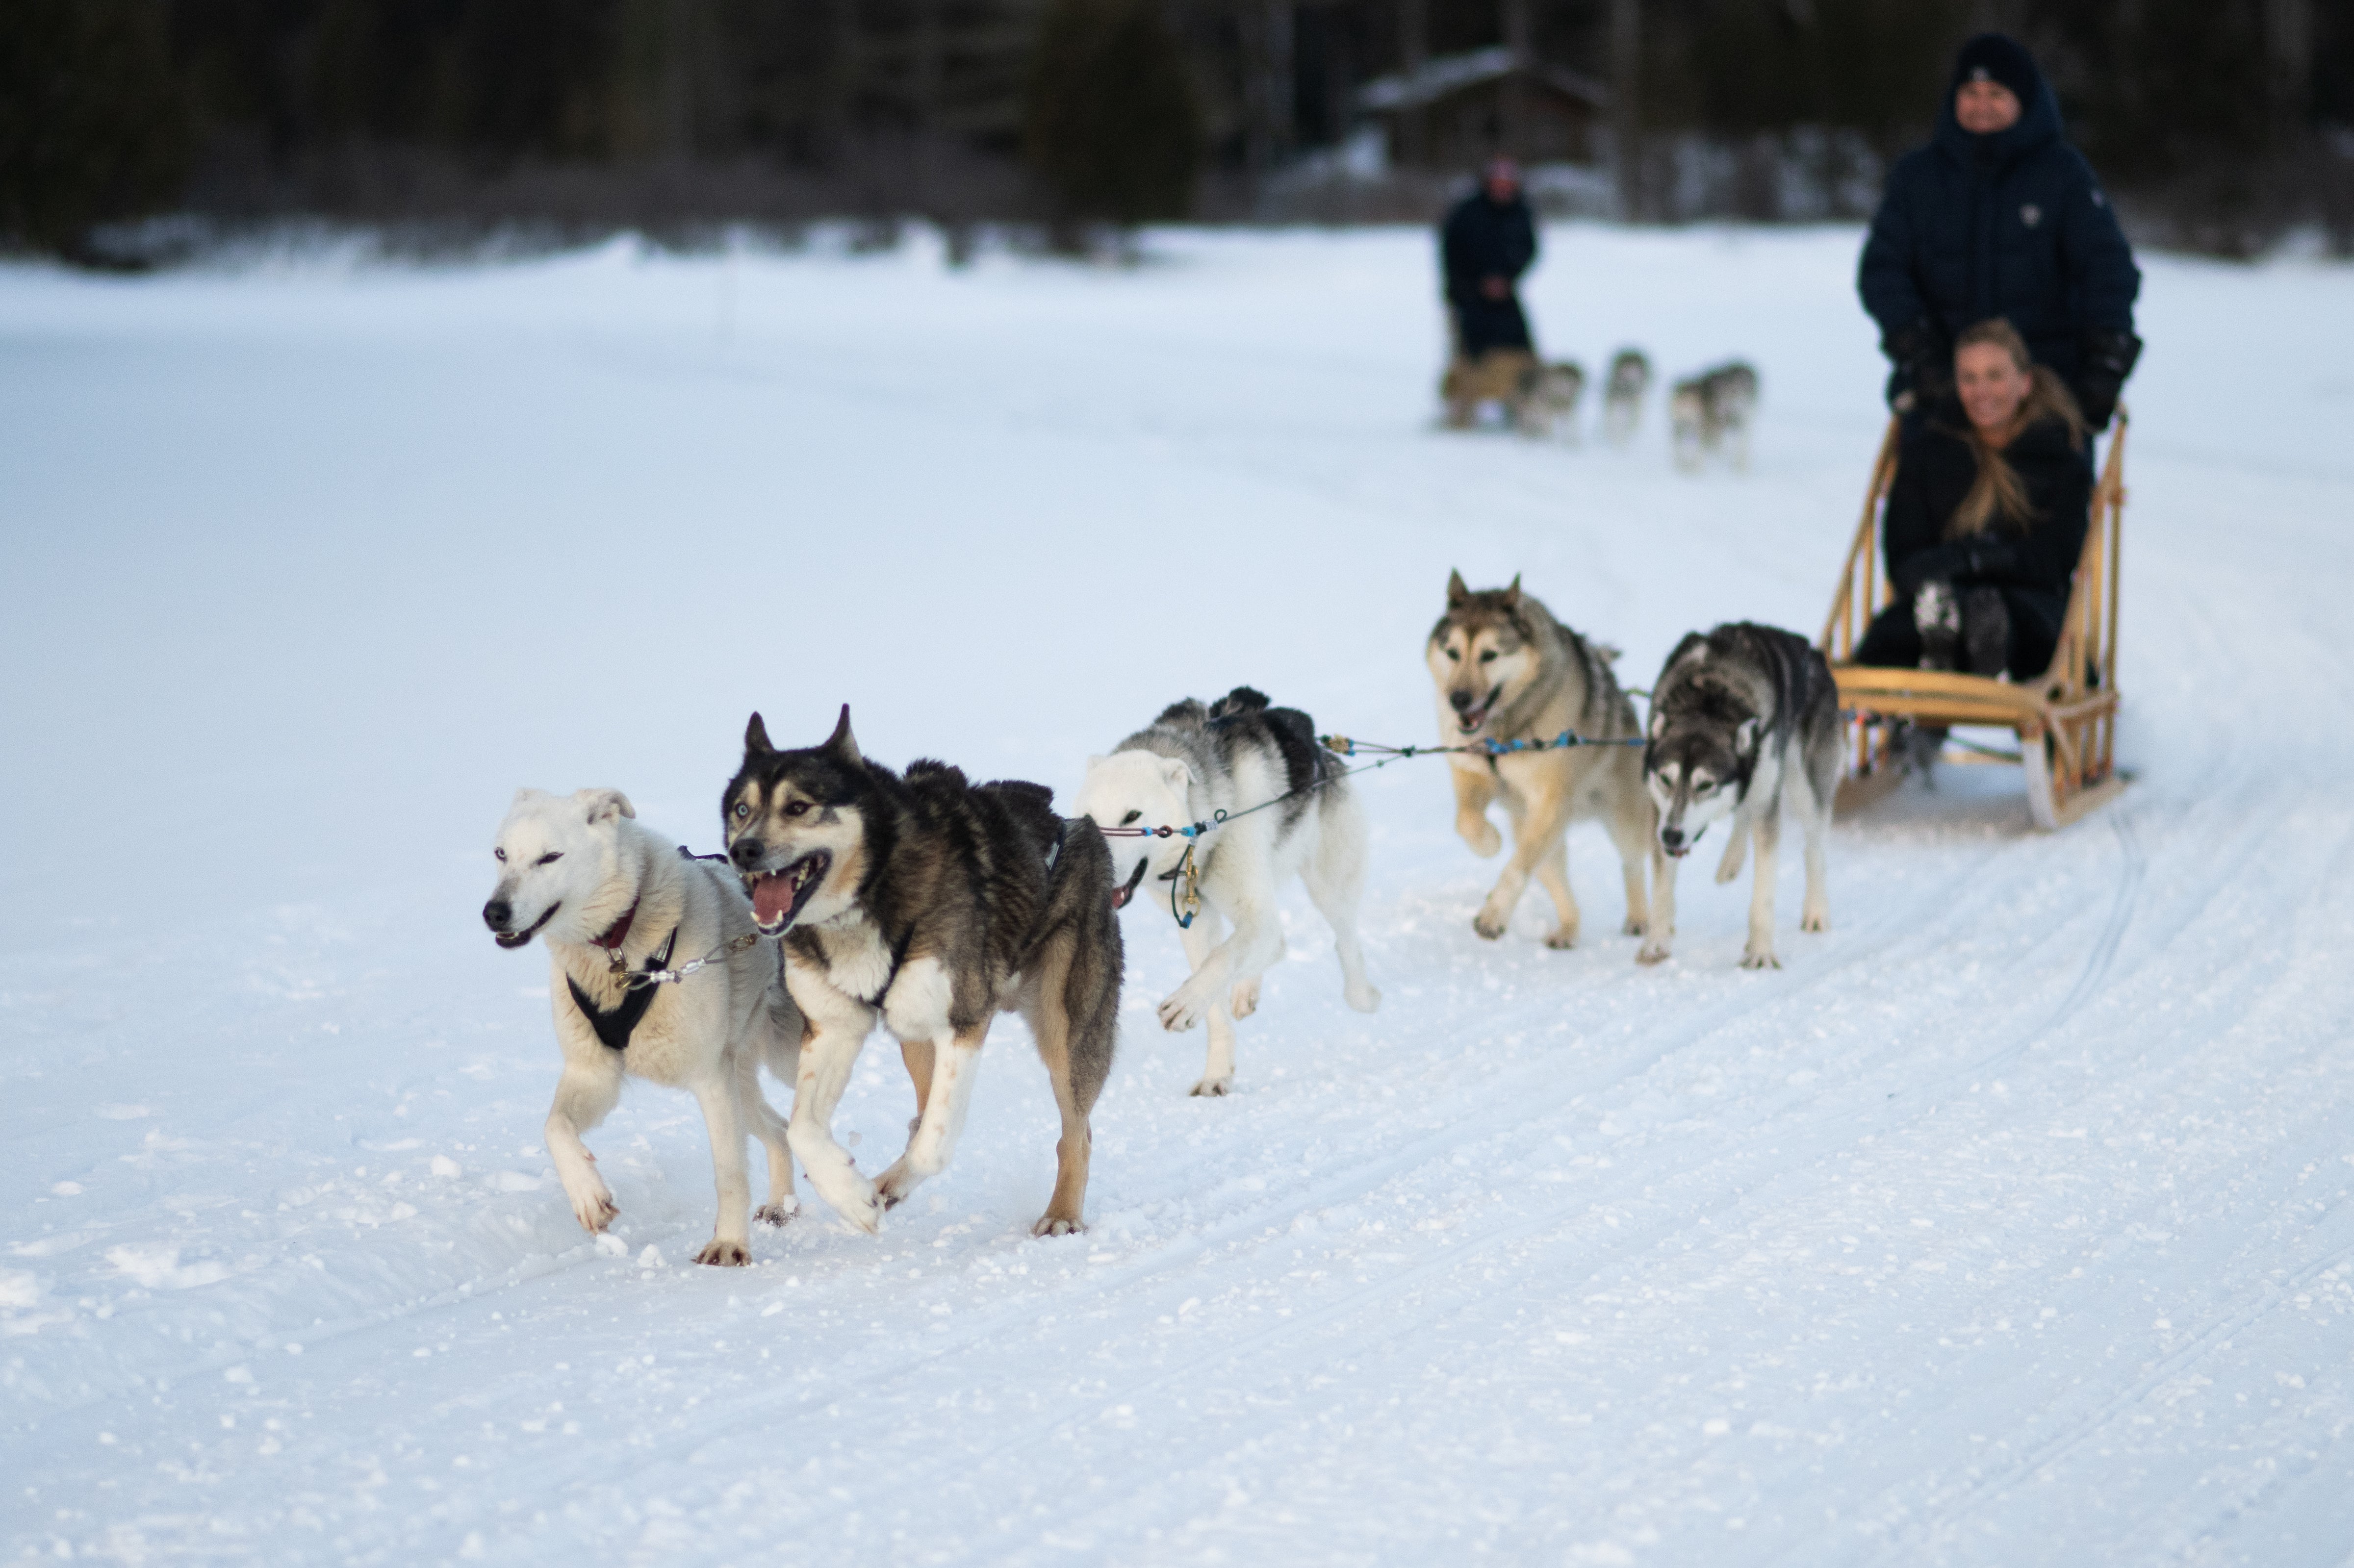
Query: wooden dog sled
x=2065, y=719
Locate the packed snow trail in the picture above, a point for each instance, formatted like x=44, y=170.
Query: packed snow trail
x=2007, y=1224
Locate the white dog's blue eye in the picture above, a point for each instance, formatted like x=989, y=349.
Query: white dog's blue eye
x=742, y=811
x=550, y=858
x=499, y=854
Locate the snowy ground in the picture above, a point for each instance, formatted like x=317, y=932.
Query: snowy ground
x=2008, y=1223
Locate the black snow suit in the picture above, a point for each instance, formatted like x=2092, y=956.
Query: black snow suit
x=2013, y=224
x=2032, y=568
x=1483, y=240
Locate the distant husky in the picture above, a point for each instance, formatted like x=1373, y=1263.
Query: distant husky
x=1501, y=376
x=1549, y=399
x=1738, y=715
x=1506, y=670
x=616, y=905
x=1623, y=393
x=1712, y=411
x=1187, y=765
x=928, y=904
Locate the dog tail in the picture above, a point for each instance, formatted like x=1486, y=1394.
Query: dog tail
x=1078, y=942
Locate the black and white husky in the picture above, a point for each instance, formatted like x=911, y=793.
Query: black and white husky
x=1740, y=715
x=1189, y=765
x=927, y=903
x=618, y=906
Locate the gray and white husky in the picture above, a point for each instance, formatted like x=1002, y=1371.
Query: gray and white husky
x=615, y=903
x=1622, y=396
x=927, y=903
x=1739, y=716
x=1549, y=398
x=1712, y=411
x=1189, y=765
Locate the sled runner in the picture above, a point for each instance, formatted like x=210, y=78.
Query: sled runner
x=2065, y=719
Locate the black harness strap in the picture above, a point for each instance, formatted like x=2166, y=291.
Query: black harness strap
x=615, y=1027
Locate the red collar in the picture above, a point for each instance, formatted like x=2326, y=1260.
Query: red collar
x=618, y=932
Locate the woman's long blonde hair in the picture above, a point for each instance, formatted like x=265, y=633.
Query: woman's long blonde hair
x=1998, y=492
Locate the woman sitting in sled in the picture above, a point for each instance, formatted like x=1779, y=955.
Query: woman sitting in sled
x=1986, y=518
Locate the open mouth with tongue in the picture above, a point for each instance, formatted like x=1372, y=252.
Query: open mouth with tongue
x=1126, y=890
x=778, y=896
x=1472, y=718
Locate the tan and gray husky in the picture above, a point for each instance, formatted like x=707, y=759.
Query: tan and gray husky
x=927, y=904
x=1506, y=670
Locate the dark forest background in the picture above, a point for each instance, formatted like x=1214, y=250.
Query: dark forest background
x=2218, y=123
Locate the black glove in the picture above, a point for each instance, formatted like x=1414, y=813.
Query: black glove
x=1922, y=366
x=2108, y=356
x=1963, y=560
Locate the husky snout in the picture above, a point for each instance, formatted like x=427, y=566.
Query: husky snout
x=747, y=852
x=1470, y=707
x=1673, y=840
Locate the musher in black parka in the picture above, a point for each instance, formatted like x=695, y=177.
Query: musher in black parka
x=1999, y=217
x=1489, y=240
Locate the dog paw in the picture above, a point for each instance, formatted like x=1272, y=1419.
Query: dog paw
x=776, y=1215
x=1562, y=939
x=1652, y=953
x=1760, y=959
x=1182, y=1009
x=1815, y=920
x=1630, y=927
x=1058, y=1226
x=891, y=1188
x=1244, y=999
x=1364, y=998
x=1488, y=925
x=1213, y=1089
x=595, y=1210
x=725, y=1255
x=851, y=1195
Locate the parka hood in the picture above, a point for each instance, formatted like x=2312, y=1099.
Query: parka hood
x=2038, y=119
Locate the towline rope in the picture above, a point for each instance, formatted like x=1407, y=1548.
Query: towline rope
x=1492, y=748
x=1185, y=878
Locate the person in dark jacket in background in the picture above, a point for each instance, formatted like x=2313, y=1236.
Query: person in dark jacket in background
x=1488, y=241
x=2000, y=215
x=1986, y=518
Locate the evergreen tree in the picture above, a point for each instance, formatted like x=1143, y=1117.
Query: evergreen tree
x=92, y=121
x=1109, y=118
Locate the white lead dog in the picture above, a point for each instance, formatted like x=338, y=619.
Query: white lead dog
x=618, y=907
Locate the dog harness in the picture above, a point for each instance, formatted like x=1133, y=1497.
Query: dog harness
x=615, y=1026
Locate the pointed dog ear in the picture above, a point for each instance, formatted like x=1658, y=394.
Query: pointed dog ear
x=756, y=737
x=1512, y=594
x=1178, y=773
x=603, y=805
x=1659, y=723
x=842, y=743
x=1744, y=739
x=1457, y=594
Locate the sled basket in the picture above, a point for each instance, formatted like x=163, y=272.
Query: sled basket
x=2065, y=719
